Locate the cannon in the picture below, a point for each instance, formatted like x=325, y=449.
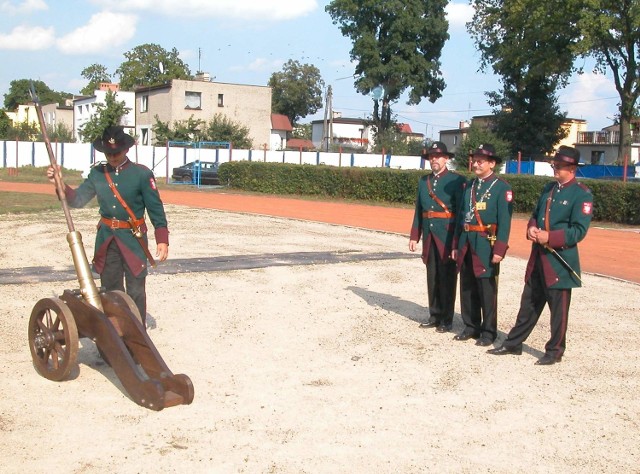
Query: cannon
x=109, y=318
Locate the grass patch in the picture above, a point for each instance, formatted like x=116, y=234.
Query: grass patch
x=38, y=174
x=12, y=203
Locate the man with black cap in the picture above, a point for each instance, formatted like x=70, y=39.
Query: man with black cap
x=559, y=221
x=124, y=191
x=439, y=197
x=481, y=243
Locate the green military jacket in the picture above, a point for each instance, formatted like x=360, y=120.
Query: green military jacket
x=137, y=186
x=490, y=199
x=565, y=211
x=437, y=194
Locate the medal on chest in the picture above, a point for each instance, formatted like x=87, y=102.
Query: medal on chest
x=477, y=204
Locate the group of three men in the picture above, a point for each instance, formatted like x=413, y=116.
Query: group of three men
x=465, y=226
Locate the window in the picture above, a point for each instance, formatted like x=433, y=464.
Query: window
x=144, y=103
x=455, y=139
x=192, y=100
x=144, y=132
x=597, y=157
x=220, y=100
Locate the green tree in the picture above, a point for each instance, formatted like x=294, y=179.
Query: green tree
x=20, y=94
x=60, y=133
x=5, y=125
x=108, y=114
x=25, y=132
x=391, y=141
x=218, y=129
x=474, y=138
x=296, y=90
x=302, y=130
x=223, y=129
x=396, y=46
x=150, y=64
x=609, y=31
x=190, y=130
x=95, y=74
x=529, y=44
x=527, y=115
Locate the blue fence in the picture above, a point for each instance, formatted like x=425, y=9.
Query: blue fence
x=588, y=171
x=605, y=172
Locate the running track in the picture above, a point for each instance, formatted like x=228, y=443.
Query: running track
x=610, y=252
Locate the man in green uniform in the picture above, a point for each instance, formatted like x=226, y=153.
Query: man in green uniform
x=559, y=221
x=482, y=237
x=124, y=191
x=439, y=196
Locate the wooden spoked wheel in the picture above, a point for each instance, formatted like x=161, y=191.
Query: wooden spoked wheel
x=53, y=339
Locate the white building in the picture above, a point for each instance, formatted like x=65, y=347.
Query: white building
x=85, y=107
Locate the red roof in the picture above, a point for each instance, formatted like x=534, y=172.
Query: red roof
x=280, y=122
x=404, y=128
x=300, y=143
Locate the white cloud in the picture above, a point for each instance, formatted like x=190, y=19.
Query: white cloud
x=459, y=14
x=259, y=65
x=591, y=97
x=104, y=32
x=25, y=38
x=247, y=10
x=26, y=6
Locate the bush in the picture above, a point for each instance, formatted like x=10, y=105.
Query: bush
x=614, y=201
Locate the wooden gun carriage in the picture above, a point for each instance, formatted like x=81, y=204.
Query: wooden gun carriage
x=110, y=319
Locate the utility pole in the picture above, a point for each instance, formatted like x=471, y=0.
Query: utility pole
x=330, y=93
x=327, y=132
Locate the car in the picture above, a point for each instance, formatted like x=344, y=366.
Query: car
x=186, y=173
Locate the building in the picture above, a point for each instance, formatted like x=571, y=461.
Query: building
x=24, y=114
x=179, y=100
x=280, y=130
x=601, y=147
x=453, y=138
x=352, y=133
x=84, y=107
x=56, y=115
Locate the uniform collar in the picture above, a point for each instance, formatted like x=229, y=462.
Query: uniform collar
x=441, y=174
x=120, y=167
x=489, y=178
x=567, y=184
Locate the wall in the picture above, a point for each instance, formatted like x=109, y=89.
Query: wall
x=80, y=156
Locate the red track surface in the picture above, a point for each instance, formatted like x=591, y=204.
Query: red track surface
x=610, y=252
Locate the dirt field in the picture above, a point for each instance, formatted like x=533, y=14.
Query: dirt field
x=302, y=343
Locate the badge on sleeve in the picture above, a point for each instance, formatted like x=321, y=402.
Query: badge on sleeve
x=152, y=182
x=587, y=207
x=509, y=196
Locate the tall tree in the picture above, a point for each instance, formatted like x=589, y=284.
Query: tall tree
x=475, y=136
x=396, y=46
x=610, y=32
x=19, y=94
x=530, y=45
x=296, y=90
x=95, y=74
x=150, y=64
x=107, y=114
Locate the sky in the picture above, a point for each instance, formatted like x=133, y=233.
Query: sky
x=244, y=42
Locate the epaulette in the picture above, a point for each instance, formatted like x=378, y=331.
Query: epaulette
x=584, y=187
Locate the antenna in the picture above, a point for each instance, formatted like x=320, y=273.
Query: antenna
x=199, y=56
